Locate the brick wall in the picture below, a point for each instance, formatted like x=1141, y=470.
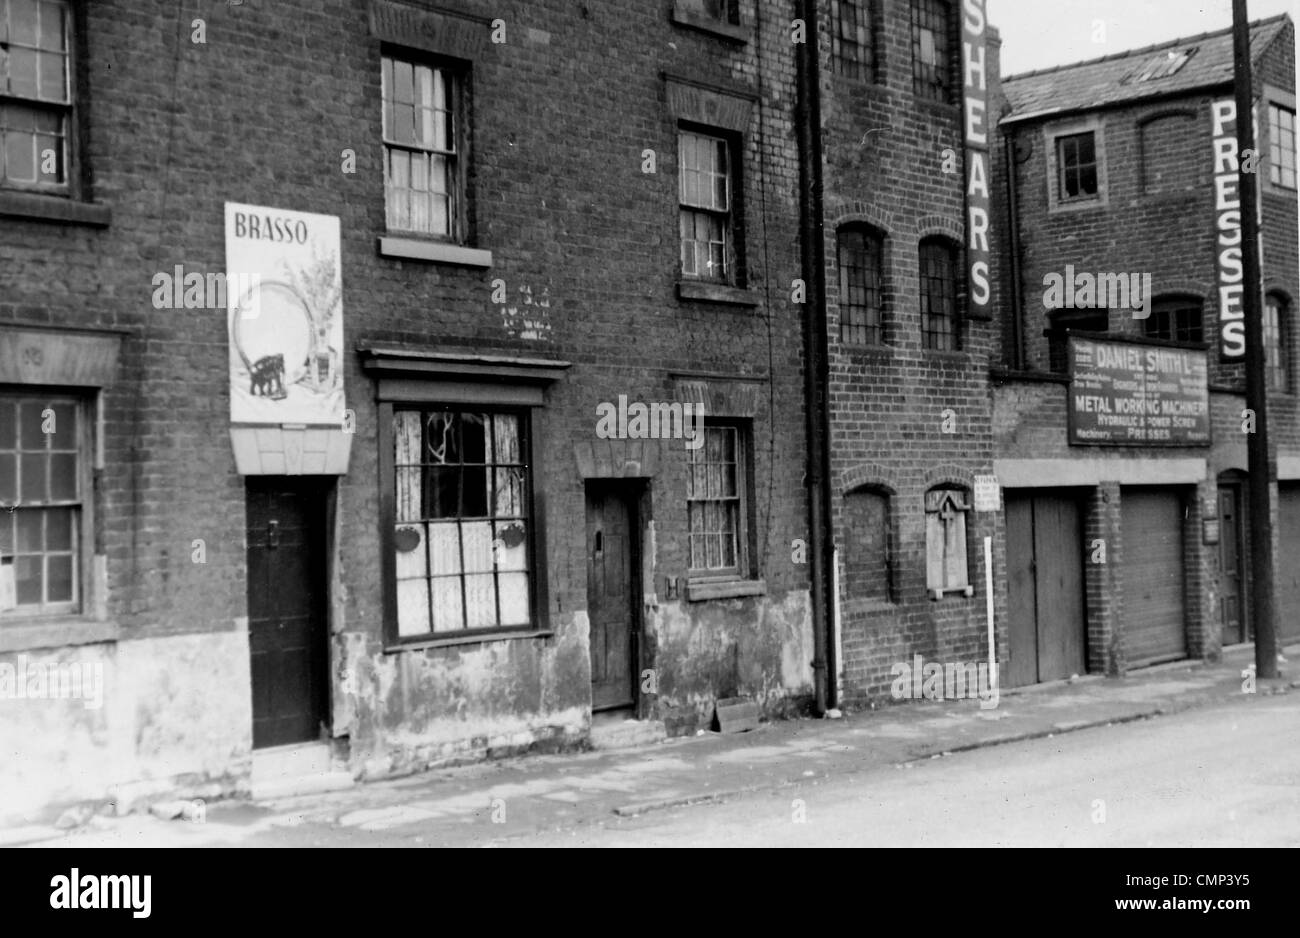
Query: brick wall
x=884, y=166
x=561, y=114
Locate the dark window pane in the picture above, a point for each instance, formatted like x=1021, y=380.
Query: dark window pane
x=8, y=425
x=33, y=469
x=474, y=437
x=58, y=528
x=475, y=492
x=29, y=531
x=27, y=574
x=60, y=579
x=442, y=491
x=8, y=478
x=30, y=435
x=63, y=477
x=22, y=22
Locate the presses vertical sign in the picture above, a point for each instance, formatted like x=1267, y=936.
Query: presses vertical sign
x=286, y=329
x=975, y=92
x=1227, y=232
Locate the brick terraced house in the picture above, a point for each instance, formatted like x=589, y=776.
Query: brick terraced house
x=1119, y=394
x=385, y=384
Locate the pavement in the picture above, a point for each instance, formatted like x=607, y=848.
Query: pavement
x=510, y=801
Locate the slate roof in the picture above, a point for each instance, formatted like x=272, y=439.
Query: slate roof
x=1101, y=82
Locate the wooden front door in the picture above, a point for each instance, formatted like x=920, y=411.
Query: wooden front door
x=1232, y=564
x=1046, y=617
x=286, y=609
x=612, y=570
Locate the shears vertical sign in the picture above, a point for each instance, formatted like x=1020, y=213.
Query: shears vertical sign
x=975, y=109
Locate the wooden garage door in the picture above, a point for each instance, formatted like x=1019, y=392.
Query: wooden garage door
x=1287, y=608
x=1045, y=602
x=1154, y=627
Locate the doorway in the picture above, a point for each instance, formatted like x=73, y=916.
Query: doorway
x=287, y=593
x=1233, y=590
x=1047, y=627
x=613, y=575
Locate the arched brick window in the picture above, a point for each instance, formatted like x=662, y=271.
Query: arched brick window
x=1277, y=342
x=868, y=566
x=939, y=324
x=860, y=252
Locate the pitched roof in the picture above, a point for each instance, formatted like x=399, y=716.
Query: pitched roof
x=1118, y=78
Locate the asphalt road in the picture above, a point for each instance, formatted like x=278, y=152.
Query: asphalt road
x=1223, y=776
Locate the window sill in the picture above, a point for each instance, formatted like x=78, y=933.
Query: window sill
x=944, y=109
x=946, y=355
x=706, y=24
x=480, y=638
x=715, y=293
x=701, y=590
x=880, y=351
x=1082, y=205
x=28, y=633
x=438, y=252
x=54, y=208
x=937, y=594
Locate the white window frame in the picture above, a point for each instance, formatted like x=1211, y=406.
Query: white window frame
x=80, y=503
x=40, y=103
x=1051, y=134
x=452, y=152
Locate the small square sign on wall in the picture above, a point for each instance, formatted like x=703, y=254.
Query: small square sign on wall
x=988, y=494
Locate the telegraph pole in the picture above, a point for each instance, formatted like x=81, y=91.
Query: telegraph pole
x=1261, y=524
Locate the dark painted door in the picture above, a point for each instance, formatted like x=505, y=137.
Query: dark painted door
x=286, y=609
x=611, y=608
x=1232, y=564
x=1046, y=620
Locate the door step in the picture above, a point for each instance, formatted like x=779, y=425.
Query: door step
x=297, y=769
x=618, y=732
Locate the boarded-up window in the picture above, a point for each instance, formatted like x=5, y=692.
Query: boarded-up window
x=945, y=541
x=1168, y=163
x=867, y=558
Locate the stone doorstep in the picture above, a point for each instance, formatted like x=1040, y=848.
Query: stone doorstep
x=298, y=769
x=624, y=734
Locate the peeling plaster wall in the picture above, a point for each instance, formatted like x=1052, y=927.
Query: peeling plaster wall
x=175, y=717
x=752, y=647
x=413, y=709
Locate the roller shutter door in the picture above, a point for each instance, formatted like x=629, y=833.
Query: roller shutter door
x=1154, y=589
x=1288, y=564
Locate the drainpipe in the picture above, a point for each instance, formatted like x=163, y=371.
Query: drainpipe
x=816, y=371
x=1017, y=287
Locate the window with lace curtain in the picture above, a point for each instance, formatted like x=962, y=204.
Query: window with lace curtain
x=462, y=521
x=423, y=148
